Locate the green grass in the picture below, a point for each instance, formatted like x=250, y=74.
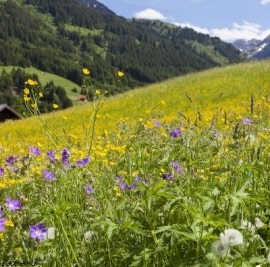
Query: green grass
x=146, y=197
x=45, y=77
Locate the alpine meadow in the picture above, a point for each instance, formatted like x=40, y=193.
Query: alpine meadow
x=172, y=174
x=129, y=142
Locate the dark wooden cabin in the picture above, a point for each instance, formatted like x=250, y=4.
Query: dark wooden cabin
x=7, y=113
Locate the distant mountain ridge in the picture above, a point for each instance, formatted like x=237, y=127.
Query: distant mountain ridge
x=256, y=49
x=94, y=4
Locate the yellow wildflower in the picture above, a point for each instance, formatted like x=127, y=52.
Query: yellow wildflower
x=40, y=94
x=86, y=71
x=55, y=106
x=118, y=194
x=26, y=98
x=18, y=250
x=31, y=82
x=26, y=91
x=34, y=105
x=98, y=92
x=8, y=223
x=120, y=74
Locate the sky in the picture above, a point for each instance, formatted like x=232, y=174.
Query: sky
x=227, y=19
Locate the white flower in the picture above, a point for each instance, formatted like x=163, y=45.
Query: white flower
x=220, y=249
x=50, y=233
x=231, y=237
x=258, y=223
x=246, y=225
x=88, y=236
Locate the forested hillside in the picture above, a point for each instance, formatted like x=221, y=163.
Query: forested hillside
x=63, y=36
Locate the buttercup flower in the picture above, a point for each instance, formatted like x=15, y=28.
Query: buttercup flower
x=38, y=231
x=231, y=237
x=120, y=74
x=13, y=204
x=220, y=249
x=86, y=71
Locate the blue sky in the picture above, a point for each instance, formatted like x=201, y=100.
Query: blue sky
x=226, y=19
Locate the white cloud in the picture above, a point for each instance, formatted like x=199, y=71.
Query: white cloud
x=264, y=2
x=246, y=31
x=149, y=13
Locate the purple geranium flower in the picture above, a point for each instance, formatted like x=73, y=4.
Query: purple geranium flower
x=48, y=175
x=65, y=157
x=247, y=121
x=176, y=132
x=2, y=172
x=2, y=222
x=51, y=156
x=38, y=231
x=13, y=204
x=83, y=162
x=35, y=151
x=88, y=189
x=11, y=159
x=166, y=176
x=132, y=186
x=123, y=186
x=176, y=166
x=157, y=123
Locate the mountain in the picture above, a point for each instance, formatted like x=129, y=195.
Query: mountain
x=94, y=4
x=63, y=36
x=256, y=49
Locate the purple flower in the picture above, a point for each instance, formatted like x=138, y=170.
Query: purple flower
x=38, y=231
x=176, y=166
x=157, y=123
x=166, y=176
x=83, y=162
x=13, y=204
x=132, y=186
x=88, y=189
x=2, y=222
x=35, y=151
x=51, y=156
x=176, y=132
x=11, y=159
x=65, y=157
x=123, y=186
x=247, y=121
x=119, y=178
x=1, y=172
x=48, y=175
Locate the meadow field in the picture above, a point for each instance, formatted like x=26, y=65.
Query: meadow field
x=173, y=174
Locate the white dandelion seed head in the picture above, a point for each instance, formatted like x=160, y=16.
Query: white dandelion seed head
x=231, y=237
x=220, y=249
x=258, y=223
x=88, y=236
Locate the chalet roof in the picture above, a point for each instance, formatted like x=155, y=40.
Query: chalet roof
x=5, y=106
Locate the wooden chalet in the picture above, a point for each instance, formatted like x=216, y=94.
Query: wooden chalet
x=82, y=98
x=7, y=113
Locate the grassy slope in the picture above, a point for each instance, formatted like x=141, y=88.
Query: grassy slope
x=212, y=93
x=47, y=77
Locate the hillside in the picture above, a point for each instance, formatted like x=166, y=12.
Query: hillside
x=63, y=37
x=221, y=93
